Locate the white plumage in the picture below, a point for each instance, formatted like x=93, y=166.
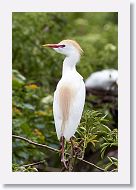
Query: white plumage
x=102, y=80
x=74, y=83
x=69, y=97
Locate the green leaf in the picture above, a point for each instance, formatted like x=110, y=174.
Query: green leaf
x=28, y=106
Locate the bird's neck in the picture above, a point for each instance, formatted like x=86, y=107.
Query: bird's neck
x=69, y=64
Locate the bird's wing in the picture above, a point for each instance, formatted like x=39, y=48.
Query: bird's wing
x=67, y=108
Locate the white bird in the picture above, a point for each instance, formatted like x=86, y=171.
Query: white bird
x=69, y=97
x=102, y=80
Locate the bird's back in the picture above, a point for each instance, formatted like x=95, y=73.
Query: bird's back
x=102, y=79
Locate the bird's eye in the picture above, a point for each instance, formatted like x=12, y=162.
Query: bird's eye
x=62, y=46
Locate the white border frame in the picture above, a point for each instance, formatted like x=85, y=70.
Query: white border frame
x=6, y=9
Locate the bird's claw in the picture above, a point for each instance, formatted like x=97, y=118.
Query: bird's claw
x=76, y=148
x=65, y=162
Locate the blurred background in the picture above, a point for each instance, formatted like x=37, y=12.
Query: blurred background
x=36, y=72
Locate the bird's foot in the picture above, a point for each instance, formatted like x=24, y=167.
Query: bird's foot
x=76, y=148
x=65, y=162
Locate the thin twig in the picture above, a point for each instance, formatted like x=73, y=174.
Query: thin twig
x=36, y=144
x=33, y=164
x=55, y=150
x=91, y=164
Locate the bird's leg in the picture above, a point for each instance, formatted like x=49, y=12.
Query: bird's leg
x=72, y=145
x=73, y=155
x=76, y=148
x=62, y=152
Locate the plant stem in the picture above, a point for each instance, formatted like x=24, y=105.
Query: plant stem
x=33, y=164
x=55, y=150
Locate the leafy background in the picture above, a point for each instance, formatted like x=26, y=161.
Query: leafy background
x=36, y=72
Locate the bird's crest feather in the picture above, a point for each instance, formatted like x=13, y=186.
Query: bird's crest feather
x=75, y=44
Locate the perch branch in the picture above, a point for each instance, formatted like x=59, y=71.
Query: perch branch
x=33, y=164
x=34, y=143
x=52, y=149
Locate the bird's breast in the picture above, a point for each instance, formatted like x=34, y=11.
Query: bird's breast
x=73, y=81
x=66, y=96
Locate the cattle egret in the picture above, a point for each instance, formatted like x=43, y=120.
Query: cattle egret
x=69, y=97
x=102, y=80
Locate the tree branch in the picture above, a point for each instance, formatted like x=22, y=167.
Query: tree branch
x=36, y=144
x=36, y=163
x=52, y=149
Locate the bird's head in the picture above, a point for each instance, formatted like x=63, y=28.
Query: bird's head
x=66, y=47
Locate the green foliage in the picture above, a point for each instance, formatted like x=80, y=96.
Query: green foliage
x=96, y=32
x=113, y=163
x=36, y=72
x=110, y=140
x=32, y=118
x=94, y=130
x=17, y=168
